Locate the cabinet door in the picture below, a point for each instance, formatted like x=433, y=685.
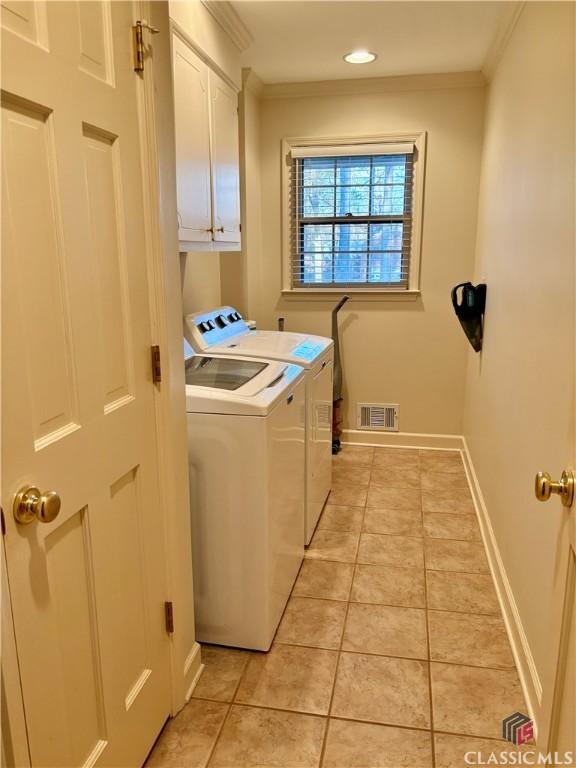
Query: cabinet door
x=191, y=105
x=225, y=161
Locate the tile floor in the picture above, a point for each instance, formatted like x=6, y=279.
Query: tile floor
x=391, y=652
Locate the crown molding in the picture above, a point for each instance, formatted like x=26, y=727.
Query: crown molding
x=373, y=85
x=502, y=37
x=230, y=22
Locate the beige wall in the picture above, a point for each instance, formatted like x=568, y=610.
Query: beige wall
x=519, y=396
x=209, y=279
x=201, y=289
x=410, y=352
x=248, y=288
x=240, y=272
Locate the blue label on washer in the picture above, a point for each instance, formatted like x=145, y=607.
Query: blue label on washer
x=308, y=351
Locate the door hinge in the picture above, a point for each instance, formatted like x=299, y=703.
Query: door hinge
x=138, y=42
x=3, y=522
x=156, y=364
x=169, y=617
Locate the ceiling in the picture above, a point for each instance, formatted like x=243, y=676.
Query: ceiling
x=305, y=40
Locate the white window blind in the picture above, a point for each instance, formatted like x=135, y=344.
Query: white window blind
x=351, y=210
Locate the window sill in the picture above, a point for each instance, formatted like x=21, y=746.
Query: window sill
x=328, y=294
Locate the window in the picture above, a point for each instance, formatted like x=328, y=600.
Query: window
x=352, y=217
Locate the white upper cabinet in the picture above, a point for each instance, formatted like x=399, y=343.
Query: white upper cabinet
x=207, y=154
x=225, y=161
x=192, y=119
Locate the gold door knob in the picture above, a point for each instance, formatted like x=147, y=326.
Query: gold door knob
x=31, y=504
x=545, y=487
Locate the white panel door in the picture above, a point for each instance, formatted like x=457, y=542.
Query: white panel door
x=559, y=701
x=88, y=588
x=191, y=108
x=557, y=726
x=225, y=161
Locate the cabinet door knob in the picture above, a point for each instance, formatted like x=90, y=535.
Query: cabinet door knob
x=220, y=229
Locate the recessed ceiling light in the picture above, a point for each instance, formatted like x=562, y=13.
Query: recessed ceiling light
x=360, y=57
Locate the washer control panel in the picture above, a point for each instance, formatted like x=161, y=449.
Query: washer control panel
x=308, y=350
x=216, y=327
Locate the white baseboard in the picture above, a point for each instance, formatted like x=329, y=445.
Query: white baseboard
x=193, y=667
x=529, y=678
x=402, y=439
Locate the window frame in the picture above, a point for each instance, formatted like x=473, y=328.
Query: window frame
x=408, y=290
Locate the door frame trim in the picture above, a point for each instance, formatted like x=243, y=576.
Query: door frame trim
x=159, y=164
x=553, y=715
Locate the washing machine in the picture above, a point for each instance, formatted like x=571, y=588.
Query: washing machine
x=246, y=431
x=223, y=331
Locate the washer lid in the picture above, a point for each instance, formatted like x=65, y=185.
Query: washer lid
x=237, y=385
x=222, y=372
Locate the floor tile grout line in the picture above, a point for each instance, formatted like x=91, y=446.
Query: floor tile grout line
x=324, y=716
x=466, y=613
x=396, y=535
x=470, y=611
x=348, y=562
x=338, y=504
x=395, y=565
x=371, y=605
x=333, y=689
x=405, y=535
x=217, y=739
x=230, y=704
x=386, y=605
x=478, y=614
x=430, y=691
x=393, y=656
x=342, y=718
x=269, y=708
x=473, y=736
x=331, y=701
x=426, y=511
x=464, y=573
